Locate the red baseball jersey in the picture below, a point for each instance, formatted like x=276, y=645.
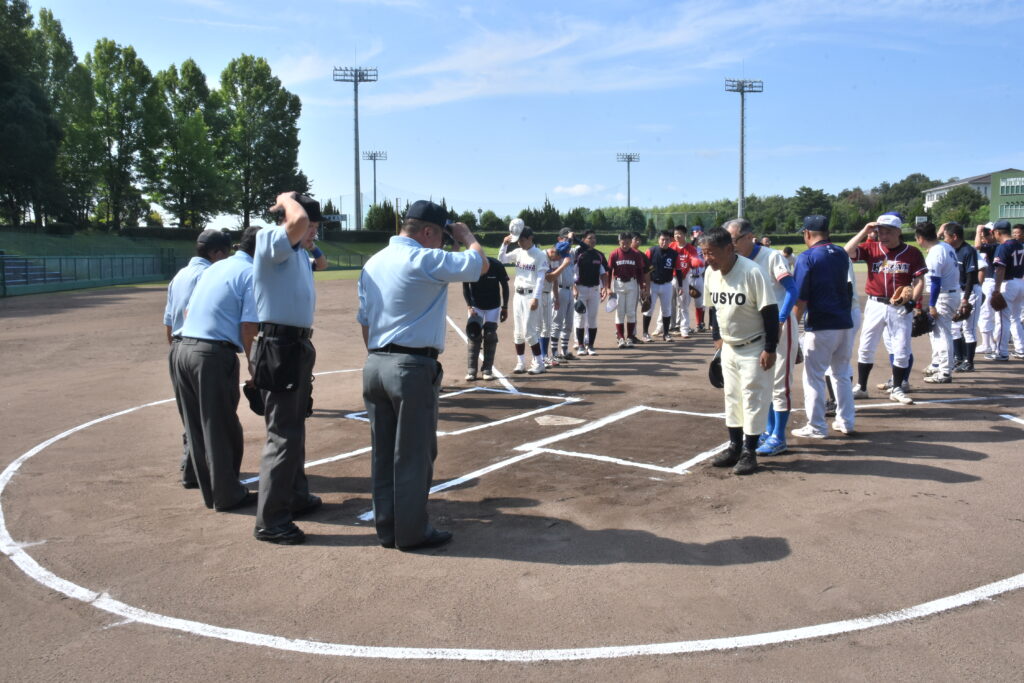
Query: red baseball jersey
x=889, y=269
x=689, y=257
x=627, y=265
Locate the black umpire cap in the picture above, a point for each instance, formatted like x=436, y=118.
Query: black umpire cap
x=815, y=223
x=427, y=211
x=311, y=206
x=214, y=239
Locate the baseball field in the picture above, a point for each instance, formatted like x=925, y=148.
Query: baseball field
x=593, y=540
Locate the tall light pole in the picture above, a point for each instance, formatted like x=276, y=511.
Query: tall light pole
x=629, y=158
x=375, y=157
x=742, y=86
x=356, y=75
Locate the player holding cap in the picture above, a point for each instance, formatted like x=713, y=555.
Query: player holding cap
x=531, y=267
x=895, y=271
x=745, y=326
x=776, y=272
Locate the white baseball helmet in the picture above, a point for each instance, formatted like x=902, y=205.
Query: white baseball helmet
x=515, y=227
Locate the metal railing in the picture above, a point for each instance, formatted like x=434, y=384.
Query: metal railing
x=30, y=274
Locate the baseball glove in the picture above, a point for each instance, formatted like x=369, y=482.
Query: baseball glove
x=964, y=312
x=923, y=324
x=997, y=301
x=255, y=398
x=645, y=302
x=580, y=306
x=715, y=375
x=901, y=295
x=694, y=292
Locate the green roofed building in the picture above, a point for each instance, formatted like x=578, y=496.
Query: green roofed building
x=1004, y=191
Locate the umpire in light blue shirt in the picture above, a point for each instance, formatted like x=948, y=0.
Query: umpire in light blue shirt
x=283, y=360
x=403, y=302
x=220, y=322
x=211, y=246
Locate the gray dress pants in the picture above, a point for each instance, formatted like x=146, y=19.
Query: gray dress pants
x=400, y=392
x=283, y=483
x=188, y=476
x=207, y=390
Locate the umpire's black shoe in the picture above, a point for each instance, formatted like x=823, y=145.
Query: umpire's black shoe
x=190, y=484
x=433, y=540
x=285, y=534
x=248, y=499
x=312, y=504
x=727, y=458
x=747, y=463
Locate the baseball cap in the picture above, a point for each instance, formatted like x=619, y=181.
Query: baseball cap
x=214, y=239
x=247, y=242
x=890, y=220
x=430, y=212
x=815, y=223
x=1001, y=225
x=311, y=206
x=563, y=249
x=697, y=228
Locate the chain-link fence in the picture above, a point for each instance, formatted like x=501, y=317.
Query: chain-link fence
x=34, y=274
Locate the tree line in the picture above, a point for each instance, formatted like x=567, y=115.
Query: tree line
x=93, y=141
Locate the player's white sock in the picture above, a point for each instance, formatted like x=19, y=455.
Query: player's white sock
x=522, y=359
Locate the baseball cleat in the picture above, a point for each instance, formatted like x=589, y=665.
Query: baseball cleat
x=930, y=370
x=808, y=432
x=966, y=366
x=581, y=350
x=629, y=343
x=471, y=376
x=938, y=379
x=520, y=368
x=898, y=396
x=621, y=342
x=647, y=338
x=859, y=392
x=841, y=428
x=591, y=351
x=568, y=355
x=536, y=368
x=764, y=436
x=727, y=458
x=747, y=463
x=773, y=445
x=666, y=337
x=996, y=356
x=1018, y=356
x=635, y=340
x=685, y=332
x=487, y=375
x=700, y=327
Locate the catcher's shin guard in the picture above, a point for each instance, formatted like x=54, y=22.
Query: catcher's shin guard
x=490, y=344
x=474, y=353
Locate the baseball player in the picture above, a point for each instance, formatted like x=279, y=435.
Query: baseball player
x=964, y=339
x=943, y=300
x=773, y=267
x=689, y=273
x=895, y=271
x=663, y=265
x=985, y=243
x=547, y=308
x=745, y=327
x=643, y=299
x=591, y=289
x=1007, y=291
x=487, y=299
x=565, y=276
x=211, y=246
x=626, y=267
x=531, y=267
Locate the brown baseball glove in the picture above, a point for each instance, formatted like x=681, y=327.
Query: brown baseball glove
x=998, y=302
x=901, y=295
x=694, y=292
x=964, y=312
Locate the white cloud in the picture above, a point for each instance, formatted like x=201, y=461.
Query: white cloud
x=618, y=196
x=578, y=190
x=223, y=24
x=292, y=69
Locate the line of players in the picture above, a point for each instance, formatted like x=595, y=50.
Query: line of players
x=559, y=291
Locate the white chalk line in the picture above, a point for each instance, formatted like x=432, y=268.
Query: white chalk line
x=104, y=602
x=614, y=461
x=697, y=459
x=1013, y=418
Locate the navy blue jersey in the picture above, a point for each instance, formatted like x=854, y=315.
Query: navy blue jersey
x=822, y=280
x=663, y=263
x=967, y=259
x=1010, y=255
x=491, y=290
x=589, y=265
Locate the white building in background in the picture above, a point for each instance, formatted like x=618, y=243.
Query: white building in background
x=981, y=183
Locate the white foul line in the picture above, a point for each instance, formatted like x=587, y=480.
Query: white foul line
x=614, y=461
x=684, y=468
x=497, y=373
x=1012, y=419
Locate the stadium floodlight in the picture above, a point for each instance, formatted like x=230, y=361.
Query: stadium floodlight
x=629, y=158
x=742, y=86
x=375, y=157
x=356, y=75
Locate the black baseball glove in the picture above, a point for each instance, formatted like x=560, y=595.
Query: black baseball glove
x=254, y=396
x=715, y=375
x=923, y=323
x=694, y=292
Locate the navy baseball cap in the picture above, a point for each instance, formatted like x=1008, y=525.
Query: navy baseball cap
x=311, y=206
x=1001, y=225
x=430, y=212
x=815, y=223
x=214, y=239
x=697, y=228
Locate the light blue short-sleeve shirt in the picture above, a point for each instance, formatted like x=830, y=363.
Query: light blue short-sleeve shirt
x=222, y=300
x=403, y=292
x=180, y=290
x=283, y=280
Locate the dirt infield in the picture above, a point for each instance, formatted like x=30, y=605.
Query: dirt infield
x=584, y=523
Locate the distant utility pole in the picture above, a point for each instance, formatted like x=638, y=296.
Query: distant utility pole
x=356, y=75
x=742, y=86
x=375, y=157
x=629, y=158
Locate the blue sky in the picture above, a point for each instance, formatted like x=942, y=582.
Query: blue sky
x=497, y=105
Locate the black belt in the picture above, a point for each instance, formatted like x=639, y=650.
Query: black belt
x=883, y=300
x=523, y=290
x=215, y=342
x=565, y=286
x=275, y=330
x=665, y=282
x=620, y=279
x=427, y=351
x=175, y=337
x=747, y=343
